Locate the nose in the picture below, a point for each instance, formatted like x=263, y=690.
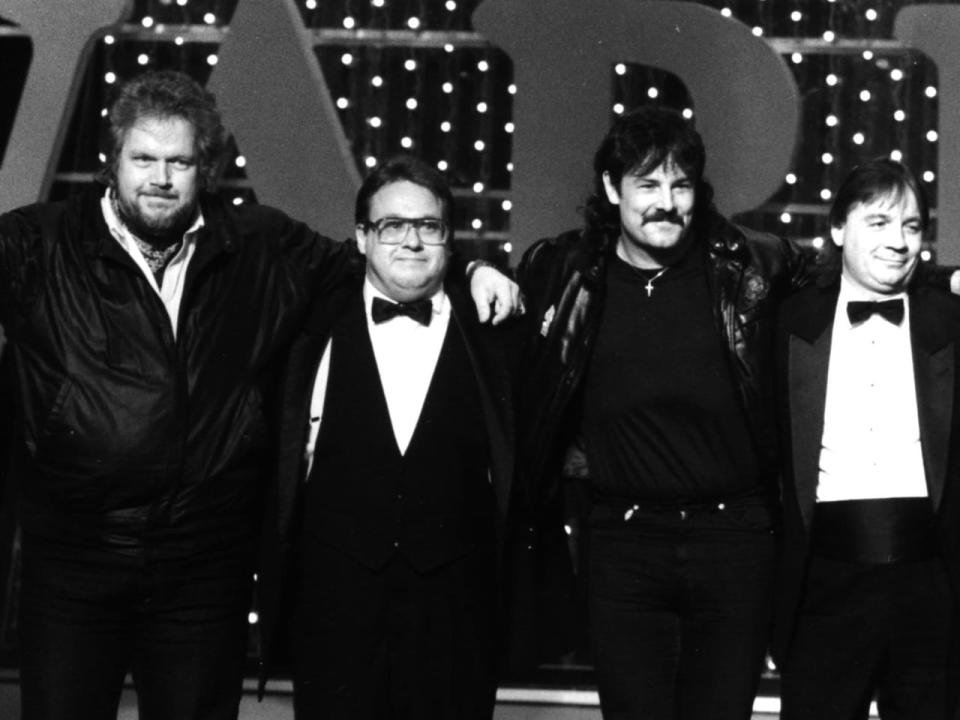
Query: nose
x=161, y=174
x=665, y=199
x=411, y=238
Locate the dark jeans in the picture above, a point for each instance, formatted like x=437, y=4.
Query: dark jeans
x=394, y=644
x=181, y=635
x=872, y=628
x=680, y=609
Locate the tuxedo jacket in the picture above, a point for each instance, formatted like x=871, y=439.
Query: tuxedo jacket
x=803, y=358
x=491, y=352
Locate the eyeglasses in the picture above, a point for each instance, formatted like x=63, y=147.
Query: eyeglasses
x=393, y=231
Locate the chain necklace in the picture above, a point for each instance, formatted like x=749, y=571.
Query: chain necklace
x=649, y=286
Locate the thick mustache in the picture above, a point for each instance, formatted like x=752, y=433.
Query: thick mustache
x=670, y=216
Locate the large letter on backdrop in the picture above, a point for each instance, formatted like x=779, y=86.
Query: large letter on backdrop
x=61, y=31
x=745, y=98
x=934, y=29
x=276, y=102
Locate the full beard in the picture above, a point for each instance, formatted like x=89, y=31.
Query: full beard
x=161, y=230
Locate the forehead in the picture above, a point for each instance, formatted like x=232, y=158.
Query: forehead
x=666, y=170
x=889, y=202
x=402, y=198
x=172, y=134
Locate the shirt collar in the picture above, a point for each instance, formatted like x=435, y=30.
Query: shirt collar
x=438, y=300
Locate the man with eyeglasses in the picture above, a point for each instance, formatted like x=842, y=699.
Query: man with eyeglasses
x=395, y=470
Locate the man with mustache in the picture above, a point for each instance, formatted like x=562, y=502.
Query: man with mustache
x=651, y=355
x=146, y=321
x=868, y=398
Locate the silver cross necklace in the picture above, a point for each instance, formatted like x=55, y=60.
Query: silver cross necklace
x=649, y=286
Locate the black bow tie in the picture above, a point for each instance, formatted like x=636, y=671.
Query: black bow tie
x=860, y=310
x=419, y=310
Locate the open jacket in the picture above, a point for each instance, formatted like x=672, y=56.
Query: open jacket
x=803, y=357
x=564, y=281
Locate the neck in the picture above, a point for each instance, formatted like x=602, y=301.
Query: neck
x=652, y=258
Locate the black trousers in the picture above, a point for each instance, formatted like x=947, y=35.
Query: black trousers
x=180, y=632
x=394, y=644
x=680, y=611
x=872, y=629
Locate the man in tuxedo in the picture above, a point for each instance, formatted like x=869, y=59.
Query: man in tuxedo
x=395, y=473
x=869, y=399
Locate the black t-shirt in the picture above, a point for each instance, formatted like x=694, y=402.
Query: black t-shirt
x=661, y=417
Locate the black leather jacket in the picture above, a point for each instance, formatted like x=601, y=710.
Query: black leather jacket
x=563, y=280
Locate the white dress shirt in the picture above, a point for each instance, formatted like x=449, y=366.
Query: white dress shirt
x=406, y=354
x=871, y=434
x=175, y=273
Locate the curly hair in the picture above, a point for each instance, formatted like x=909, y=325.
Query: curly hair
x=167, y=94
x=637, y=143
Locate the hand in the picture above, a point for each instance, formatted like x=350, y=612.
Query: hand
x=955, y=282
x=489, y=286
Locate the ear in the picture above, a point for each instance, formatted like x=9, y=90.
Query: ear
x=836, y=233
x=613, y=194
x=361, y=235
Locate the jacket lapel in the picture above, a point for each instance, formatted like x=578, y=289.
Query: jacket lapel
x=808, y=361
x=935, y=373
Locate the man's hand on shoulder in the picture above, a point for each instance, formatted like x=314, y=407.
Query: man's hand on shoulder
x=493, y=292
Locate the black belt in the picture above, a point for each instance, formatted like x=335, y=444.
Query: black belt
x=883, y=531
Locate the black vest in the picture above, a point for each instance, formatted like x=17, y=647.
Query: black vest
x=430, y=505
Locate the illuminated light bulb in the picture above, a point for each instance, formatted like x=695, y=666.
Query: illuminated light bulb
x=826, y=158
x=483, y=66
x=829, y=35
x=448, y=48
x=899, y=115
x=896, y=155
x=896, y=74
x=450, y=5
x=239, y=201
x=832, y=121
x=509, y=167
x=508, y=127
x=506, y=205
x=376, y=81
x=375, y=121
x=104, y=112
x=618, y=108
x=620, y=69
x=791, y=179
x=757, y=31
x=447, y=87
x=442, y=165
x=796, y=16
x=147, y=21
x=411, y=103
x=143, y=58
x=926, y=255
x=858, y=138
x=512, y=89
x=932, y=136
x=349, y=23
x=346, y=58
x=653, y=93
x=928, y=176
x=726, y=12
x=870, y=14
x=817, y=242
x=785, y=217
x=110, y=78
x=410, y=64
x=370, y=161
x=476, y=223
x=445, y=126
x=797, y=58
x=343, y=103
x=209, y=18
x=178, y=40
x=109, y=39
x=406, y=142
x=508, y=247
x=211, y=59
x=825, y=194
x=930, y=92
x=865, y=95
x=832, y=79
x=377, y=3
x=478, y=187
x=481, y=107
x=479, y=146
x=311, y=4
x=413, y=23
x=182, y=3
x=103, y=157
x=687, y=113
x=252, y=618
x=868, y=54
